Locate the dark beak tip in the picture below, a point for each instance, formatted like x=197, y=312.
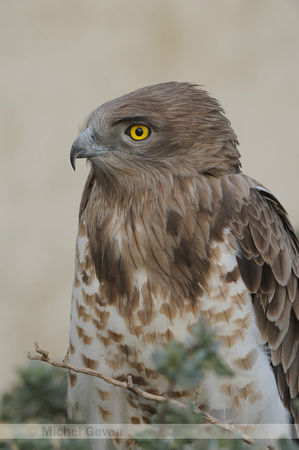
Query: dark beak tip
x=73, y=157
x=73, y=162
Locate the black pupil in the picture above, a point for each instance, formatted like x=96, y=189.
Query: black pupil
x=139, y=131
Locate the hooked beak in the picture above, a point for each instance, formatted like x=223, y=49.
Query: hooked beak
x=85, y=146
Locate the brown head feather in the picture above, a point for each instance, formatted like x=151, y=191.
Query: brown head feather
x=189, y=134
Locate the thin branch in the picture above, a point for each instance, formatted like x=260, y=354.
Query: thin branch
x=66, y=365
x=43, y=355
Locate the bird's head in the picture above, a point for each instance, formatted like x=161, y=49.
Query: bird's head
x=170, y=126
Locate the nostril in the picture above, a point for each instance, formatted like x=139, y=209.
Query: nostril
x=92, y=137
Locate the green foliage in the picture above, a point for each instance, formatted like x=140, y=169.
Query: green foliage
x=200, y=444
x=43, y=444
x=39, y=396
x=285, y=444
x=185, y=363
x=171, y=414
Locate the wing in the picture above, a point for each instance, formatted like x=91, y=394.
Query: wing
x=269, y=265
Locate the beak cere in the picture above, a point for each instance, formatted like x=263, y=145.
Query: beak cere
x=84, y=147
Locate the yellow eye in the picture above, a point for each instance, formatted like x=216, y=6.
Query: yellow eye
x=139, y=132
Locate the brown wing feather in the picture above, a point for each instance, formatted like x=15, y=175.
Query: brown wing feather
x=269, y=265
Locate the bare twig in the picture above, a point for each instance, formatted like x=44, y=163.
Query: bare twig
x=43, y=355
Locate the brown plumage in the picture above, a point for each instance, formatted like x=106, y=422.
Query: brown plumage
x=171, y=230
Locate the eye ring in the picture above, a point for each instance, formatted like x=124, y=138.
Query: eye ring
x=138, y=132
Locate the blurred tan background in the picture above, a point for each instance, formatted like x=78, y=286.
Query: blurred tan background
x=60, y=59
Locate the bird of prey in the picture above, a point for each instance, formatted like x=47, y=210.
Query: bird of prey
x=171, y=230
